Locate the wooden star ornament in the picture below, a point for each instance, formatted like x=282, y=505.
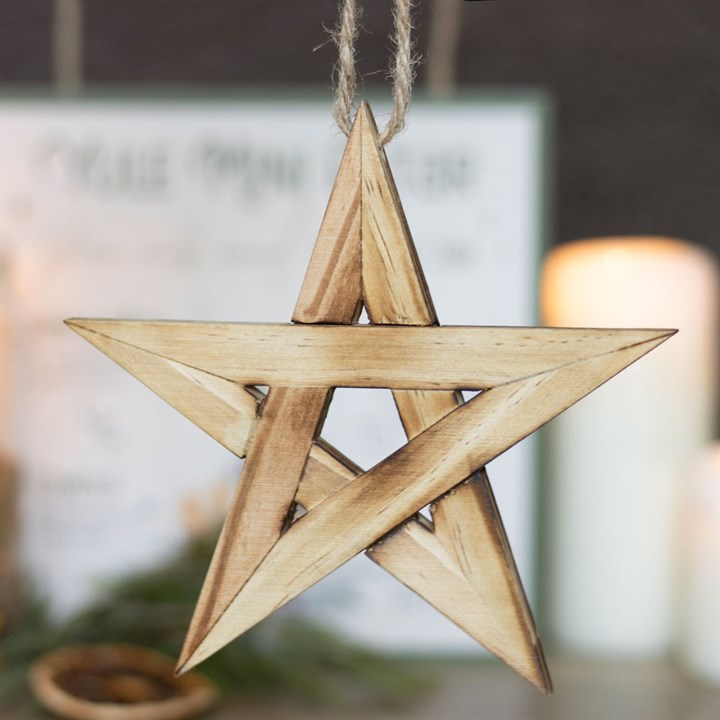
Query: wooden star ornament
x=268, y=552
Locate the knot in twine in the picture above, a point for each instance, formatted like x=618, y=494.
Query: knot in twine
x=402, y=70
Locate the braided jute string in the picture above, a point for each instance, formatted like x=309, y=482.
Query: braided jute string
x=402, y=71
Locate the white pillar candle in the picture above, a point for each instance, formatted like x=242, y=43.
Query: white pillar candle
x=699, y=576
x=615, y=460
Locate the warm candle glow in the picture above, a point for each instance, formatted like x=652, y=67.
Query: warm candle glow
x=623, y=280
x=617, y=460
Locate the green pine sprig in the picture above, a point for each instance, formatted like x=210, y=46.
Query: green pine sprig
x=283, y=655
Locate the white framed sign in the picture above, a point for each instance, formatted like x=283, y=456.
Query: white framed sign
x=208, y=209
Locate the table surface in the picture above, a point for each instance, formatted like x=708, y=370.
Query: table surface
x=607, y=690
x=584, y=690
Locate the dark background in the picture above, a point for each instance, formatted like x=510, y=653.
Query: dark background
x=635, y=83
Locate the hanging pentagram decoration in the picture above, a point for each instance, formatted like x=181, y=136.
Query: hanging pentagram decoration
x=460, y=562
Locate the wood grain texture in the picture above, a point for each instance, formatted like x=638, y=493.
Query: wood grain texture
x=474, y=586
x=331, y=291
x=223, y=409
x=262, y=505
x=326, y=472
x=468, y=523
x=371, y=356
x=394, y=288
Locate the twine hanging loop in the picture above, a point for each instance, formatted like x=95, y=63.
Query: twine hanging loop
x=402, y=69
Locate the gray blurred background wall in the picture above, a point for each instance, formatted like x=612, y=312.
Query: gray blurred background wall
x=635, y=83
